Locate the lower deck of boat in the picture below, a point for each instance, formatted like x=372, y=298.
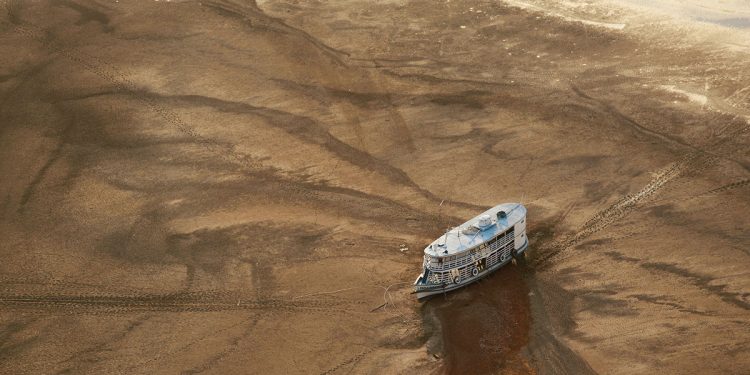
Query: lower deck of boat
x=429, y=290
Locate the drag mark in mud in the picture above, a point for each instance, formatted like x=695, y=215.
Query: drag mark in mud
x=308, y=130
x=713, y=150
x=274, y=24
x=701, y=281
x=615, y=113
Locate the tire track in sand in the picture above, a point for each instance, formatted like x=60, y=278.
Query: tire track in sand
x=182, y=302
x=619, y=209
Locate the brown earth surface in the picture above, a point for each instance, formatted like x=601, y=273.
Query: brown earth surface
x=227, y=187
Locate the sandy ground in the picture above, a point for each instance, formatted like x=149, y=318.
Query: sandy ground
x=227, y=187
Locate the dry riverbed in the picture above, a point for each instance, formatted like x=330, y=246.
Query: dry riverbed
x=232, y=187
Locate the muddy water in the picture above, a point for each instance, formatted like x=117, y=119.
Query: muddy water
x=485, y=325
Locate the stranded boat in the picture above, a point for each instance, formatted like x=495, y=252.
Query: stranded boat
x=473, y=250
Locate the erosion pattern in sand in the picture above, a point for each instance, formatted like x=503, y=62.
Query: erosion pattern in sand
x=226, y=186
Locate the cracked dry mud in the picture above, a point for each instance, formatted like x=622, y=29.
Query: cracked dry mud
x=227, y=186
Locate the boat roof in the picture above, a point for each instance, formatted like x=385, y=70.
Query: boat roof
x=470, y=234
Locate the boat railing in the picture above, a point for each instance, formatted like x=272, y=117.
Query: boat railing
x=466, y=257
x=498, y=256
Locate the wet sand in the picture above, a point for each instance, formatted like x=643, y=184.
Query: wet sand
x=485, y=326
x=228, y=187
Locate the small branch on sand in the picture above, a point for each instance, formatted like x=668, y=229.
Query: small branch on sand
x=381, y=306
x=387, y=295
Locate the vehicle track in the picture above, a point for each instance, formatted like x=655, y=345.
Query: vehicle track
x=619, y=209
x=181, y=302
x=692, y=163
x=744, y=183
x=730, y=186
x=351, y=361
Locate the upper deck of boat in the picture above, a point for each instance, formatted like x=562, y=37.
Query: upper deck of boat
x=469, y=235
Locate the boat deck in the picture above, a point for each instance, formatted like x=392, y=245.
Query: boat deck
x=466, y=236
